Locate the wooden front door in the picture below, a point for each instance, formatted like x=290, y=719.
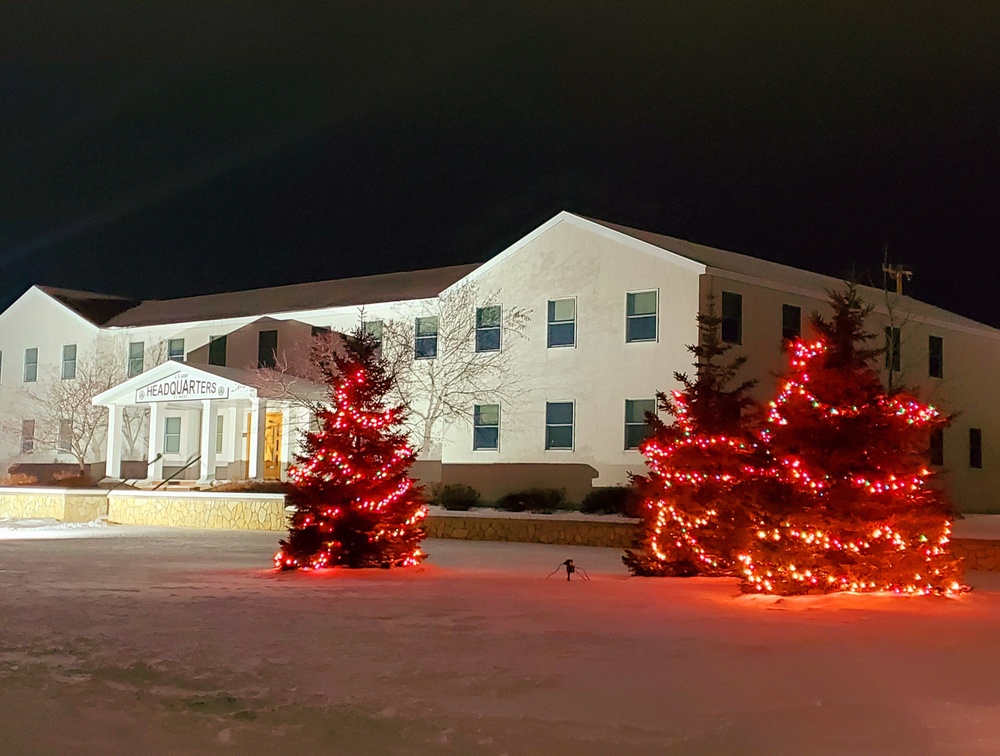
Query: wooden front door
x=272, y=446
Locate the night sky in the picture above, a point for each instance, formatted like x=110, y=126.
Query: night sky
x=165, y=149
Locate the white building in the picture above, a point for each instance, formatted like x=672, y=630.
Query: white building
x=611, y=312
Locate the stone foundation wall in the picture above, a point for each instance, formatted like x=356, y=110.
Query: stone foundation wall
x=63, y=504
x=532, y=530
x=193, y=509
x=977, y=554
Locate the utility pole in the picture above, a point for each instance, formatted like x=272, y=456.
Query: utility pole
x=898, y=272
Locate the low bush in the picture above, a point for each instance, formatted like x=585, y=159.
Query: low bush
x=253, y=486
x=18, y=479
x=72, y=479
x=621, y=500
x=537, y=500
x=456, y=497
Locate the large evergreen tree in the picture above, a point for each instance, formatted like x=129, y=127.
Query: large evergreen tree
x=859, y=513
x=695, y=510
x=355, y=505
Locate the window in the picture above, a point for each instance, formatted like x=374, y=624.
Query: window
x=27, y=436
x=488, y=328
x=219, y=433
x=374, y=328
x=65, y=436
x=562, y=322
x=791, y=322
x=976, y=448
x=732, y=317
x=935, y=357
x=636, y=428
x=172, y=435
x=892, y=360
x=175, y=350
x=136, y=351
x=486, y=427
x=425, y=338
x=69, y=362
x=640, y=316
x=937, y=447
x=31, y=365
x=217, y=350
x=320, y=331
x=559, y=425
x=267, y=349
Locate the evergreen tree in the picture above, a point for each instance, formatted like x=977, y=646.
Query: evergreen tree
x=859, y=511
x=695, y=511
x=355, y=505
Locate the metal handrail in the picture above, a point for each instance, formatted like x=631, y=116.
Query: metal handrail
x=164, y=482
x=123, y=481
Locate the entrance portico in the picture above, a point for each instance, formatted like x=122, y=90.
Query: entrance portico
x=209, y=419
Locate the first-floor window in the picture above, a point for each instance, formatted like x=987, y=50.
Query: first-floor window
x=636, y=428
x=172, y=435
x=65, y=435
x=219, y=433
x=559, y=425
x=27, y=436
x=976, y=448
x=791, y=322
x=486, y=427
x=937, y=447
x=175, y=350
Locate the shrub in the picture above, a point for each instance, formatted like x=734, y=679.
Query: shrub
x=72, y=479
x=253, y=486
x=18, y=479
x=622, y=500
x=456, y=497
x=538, y=500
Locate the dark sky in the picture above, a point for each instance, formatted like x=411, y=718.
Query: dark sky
x=163, y=149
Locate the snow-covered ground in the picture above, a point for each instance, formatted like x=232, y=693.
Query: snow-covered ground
x=145, y=641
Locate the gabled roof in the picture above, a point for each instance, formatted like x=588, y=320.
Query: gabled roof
x=344, y=292
x=95, y=308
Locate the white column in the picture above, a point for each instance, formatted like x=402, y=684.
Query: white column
x=207, y=463
x=113, y=460
x=155, y=469
x=235, y=432
x=258, y=418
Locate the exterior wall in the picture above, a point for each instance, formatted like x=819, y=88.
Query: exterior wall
x=543, y=529
x=602, y=370
x=65, y=505
x=196, y=509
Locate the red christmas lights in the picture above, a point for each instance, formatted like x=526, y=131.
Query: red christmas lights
x=355, y=504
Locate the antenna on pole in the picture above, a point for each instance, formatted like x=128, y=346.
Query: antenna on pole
x=899, y=272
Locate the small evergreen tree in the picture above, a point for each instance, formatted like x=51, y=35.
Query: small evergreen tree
x=859, y=513
x=695, y=512
x=355, y=505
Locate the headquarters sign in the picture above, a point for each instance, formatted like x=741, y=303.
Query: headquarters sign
x=180, y=387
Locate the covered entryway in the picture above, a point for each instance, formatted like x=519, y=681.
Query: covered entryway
x=209, y=423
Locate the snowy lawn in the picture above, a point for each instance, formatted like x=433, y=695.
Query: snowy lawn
x=146, y=641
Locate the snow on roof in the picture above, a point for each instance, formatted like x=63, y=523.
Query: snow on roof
x=344, y=292
x=787, y=277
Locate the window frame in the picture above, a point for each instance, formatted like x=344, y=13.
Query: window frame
x=738, y=341
x=27, y=445
x=476, y=425
x=219, y=339
x=785, y=310
x=33, y=364
x=480, y=329
x=935, y=357
x=643, y=424
x=172, y=355
x=935, y=451
x=265, y=361
x=64, y=443
x=133, y=360
x=975, y=448
x=655, y=315
x=220, y=433
x=167, y=434
x=370, y=328
x=549, y=322
x=417, y=338
x=64, y=374
x=571, y=424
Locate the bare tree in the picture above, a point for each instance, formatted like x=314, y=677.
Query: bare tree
x=439, y=378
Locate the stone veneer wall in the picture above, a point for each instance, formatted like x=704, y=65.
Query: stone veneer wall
x=64, y=504
x=198, y=509
x=977, y=554
x=532, y=530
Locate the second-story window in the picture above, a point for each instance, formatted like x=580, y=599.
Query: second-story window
x=640, y=316
x=136, y=358
x=562, y=322
x=217, y=350
x=68, y=362
x=31, y=365
x=935, y=357
x=267, y=349
x=175, y=350
x=732, y=317
x=374, y=329
x=488, y=328
x=425, y=338
x=791, y=322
